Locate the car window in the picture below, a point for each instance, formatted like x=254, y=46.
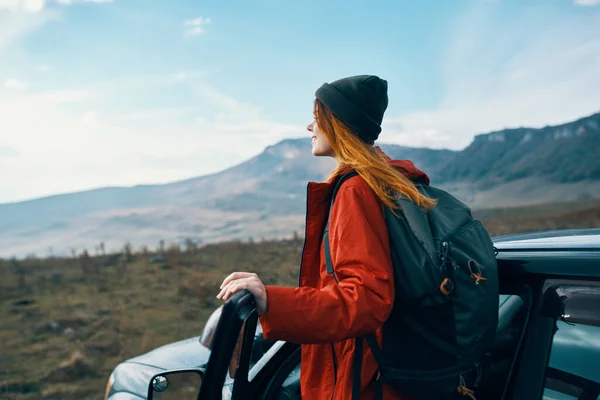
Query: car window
x=550, y=394
x=572, y=372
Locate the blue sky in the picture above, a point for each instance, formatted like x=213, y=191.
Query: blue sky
x=123, y=92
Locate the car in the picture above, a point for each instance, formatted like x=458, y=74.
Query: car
x=547, y=344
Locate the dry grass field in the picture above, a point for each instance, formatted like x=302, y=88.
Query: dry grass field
x=66, y=322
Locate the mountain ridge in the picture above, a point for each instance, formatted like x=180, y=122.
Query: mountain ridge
x=594, y=119
x=264, y=195
x=561, y=153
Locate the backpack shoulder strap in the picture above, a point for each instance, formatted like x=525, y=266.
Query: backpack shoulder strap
x=339, y=183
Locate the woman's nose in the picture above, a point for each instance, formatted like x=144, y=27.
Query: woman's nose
x=310, y=127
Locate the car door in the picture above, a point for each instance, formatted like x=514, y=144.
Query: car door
x=242, y=365
x=573, y=370
x=230, y=355
x=560, y=358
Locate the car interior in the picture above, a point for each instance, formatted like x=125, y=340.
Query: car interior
x=511, y=318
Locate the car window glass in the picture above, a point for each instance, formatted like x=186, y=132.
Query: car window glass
x=550, y=394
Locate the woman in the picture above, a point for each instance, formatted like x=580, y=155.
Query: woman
x=327, y=311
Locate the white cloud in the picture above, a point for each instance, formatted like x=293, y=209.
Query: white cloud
x=78, y=141
x=196, y=26
x=26, y=16
x=63, y=96
x=34, y=6
x=43, y=68
x=587, y=2
x=543, y=71
x=16, y=84
x=14, y=26
x=22, y=5
x=183, y=75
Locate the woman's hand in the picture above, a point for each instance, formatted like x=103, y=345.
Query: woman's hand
x=245, y=280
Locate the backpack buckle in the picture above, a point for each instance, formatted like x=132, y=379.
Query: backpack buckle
x=477, y=273
x=447, y=286
x=464, y=390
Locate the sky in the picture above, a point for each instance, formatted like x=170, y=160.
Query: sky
x=98, y=93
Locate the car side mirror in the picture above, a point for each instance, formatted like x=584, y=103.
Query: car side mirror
x=181, y=384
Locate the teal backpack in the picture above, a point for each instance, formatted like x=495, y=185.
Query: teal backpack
x=445, y=312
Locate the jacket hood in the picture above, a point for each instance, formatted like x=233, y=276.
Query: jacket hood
x=408, y=168
x=413, y=173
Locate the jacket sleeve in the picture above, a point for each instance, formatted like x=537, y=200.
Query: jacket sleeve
x=364, y=297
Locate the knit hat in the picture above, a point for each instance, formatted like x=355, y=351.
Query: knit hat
x=359, y=102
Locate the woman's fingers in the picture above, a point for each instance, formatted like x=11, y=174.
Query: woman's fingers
x=245, y=280
x=231, y=280
x=234, y=286
x=235, y=275
x=225, y=289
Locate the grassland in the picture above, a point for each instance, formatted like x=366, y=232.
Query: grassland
x=66, y=322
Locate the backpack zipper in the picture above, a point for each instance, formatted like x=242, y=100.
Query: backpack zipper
x=445, y=249
x=335, y=367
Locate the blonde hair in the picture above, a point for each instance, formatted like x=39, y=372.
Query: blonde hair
x=352, y=153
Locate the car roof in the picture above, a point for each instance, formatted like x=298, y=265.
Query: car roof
x=555, y=240
x=573, y=252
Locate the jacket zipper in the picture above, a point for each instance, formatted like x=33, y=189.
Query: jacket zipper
x=335, y=368
x=333, y=356
x=335, y=278
x=305, y=237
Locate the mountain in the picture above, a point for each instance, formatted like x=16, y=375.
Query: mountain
x=265, y=195
x=527, y=166
x=565, y=153
x=275, y=181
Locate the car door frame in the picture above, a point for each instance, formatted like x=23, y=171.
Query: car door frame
x=240, y=308
x=248, y=383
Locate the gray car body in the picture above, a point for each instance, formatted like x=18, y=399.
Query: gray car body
x=131, y=377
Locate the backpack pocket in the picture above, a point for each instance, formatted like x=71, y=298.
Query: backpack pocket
x=473, y=269
x=417, y=269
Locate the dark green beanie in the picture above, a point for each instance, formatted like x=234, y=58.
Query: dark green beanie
x=359, y=102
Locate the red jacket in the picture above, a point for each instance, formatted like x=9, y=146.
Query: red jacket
x=323, y=316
